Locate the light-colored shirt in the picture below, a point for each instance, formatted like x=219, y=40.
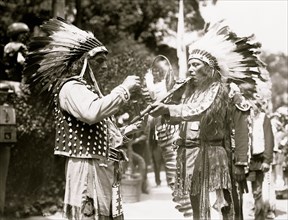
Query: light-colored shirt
x=85, y=105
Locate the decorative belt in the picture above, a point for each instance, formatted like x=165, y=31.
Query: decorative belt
x=216, y=143
x=196, y=143
x=117, y=155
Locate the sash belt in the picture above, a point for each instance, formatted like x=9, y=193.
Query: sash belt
x=196, y=143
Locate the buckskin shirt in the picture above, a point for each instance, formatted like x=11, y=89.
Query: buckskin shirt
x=84, y=131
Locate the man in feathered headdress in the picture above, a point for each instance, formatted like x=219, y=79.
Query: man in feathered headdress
x=210, y=163
x=62, y=67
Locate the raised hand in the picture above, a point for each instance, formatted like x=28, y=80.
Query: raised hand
x=132, y=82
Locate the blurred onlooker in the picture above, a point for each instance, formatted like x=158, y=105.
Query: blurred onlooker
x=280, y=122
x=15, y=51
x=262, y=145
x=161, y=135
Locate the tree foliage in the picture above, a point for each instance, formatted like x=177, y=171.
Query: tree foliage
x=277, y=66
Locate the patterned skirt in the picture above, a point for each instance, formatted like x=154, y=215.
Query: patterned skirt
x=88, y=190
x=191, y=182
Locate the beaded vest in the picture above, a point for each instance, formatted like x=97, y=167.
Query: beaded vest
x=75, y=138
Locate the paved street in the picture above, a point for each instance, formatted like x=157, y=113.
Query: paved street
x=159, y=206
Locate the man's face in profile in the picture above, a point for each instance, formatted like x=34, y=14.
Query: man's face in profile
x=199, y=70
x=98, y=63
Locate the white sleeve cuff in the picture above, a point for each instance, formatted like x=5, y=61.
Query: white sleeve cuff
x=123, y=92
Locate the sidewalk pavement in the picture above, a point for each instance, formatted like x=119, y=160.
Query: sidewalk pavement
x=158, y=205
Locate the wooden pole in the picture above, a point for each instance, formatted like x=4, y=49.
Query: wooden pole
x=181, y=47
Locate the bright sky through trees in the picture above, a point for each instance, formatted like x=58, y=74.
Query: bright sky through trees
x=267, y=19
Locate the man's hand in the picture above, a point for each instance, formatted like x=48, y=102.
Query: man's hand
x=265, y=167
x=132, y=82
x=159, y=108
x=239, y=173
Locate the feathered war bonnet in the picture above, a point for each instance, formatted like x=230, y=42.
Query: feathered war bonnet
x=234, y=58
x=51, y=56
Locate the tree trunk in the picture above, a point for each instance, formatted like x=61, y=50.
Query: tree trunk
x=78, y=14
